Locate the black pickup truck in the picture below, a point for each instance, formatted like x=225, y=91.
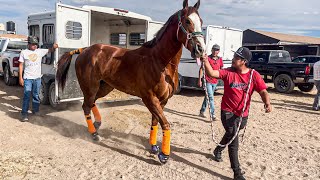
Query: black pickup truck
x=276, y=65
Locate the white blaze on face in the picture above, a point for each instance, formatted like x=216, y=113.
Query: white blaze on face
x=197, y=28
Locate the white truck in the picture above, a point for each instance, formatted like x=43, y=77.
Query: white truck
x=74, y=27
x=229, y=40
x=10, y=49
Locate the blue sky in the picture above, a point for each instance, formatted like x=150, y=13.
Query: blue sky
x=284, y=16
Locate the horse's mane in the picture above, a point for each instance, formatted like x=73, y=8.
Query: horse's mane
x=159, y=34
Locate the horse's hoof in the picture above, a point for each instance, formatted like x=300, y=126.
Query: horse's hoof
x=163, y=158
x=97, y=125
x=155, y=149
x=96, y=137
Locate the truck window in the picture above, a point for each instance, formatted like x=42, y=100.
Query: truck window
x=280, y=56
x=299, y=60
x=136, y=39
x=118, y=39
x=312, y=60
x=17, y=45
x=260, y=56
x=48, y=34
x=73, y=30
x=34, y=30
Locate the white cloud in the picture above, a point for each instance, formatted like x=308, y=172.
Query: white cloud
x=277, y=15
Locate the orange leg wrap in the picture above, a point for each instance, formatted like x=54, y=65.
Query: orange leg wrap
x=91, y=127
x=166, y=142
x=96, y=113
x=153, y=135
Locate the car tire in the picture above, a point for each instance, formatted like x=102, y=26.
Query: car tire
x=8, y=78
x=44, y=93
x=284, y=83
x=306, y=87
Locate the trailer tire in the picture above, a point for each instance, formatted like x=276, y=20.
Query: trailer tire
x=178, y=90
x=8, y=78
x=52, y=96
x=306, y=87
x=284, y=83
x=44, y=93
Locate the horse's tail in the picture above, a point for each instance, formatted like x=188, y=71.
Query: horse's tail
x=63, y=66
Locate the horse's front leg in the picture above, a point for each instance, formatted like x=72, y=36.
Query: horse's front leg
x=154, y=106
x=153, y=136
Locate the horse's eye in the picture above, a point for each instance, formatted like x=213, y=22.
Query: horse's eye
x=188, y=21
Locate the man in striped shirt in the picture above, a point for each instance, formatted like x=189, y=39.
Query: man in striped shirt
x=316, y=77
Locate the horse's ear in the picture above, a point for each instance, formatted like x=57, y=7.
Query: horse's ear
x=185, y=4
x=197, y=5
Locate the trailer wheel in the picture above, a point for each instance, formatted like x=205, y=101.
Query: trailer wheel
x=306, y=87
x=44, y=93
x=52, y=96
x=178, y=90
x=284, y=83
x=8, y=78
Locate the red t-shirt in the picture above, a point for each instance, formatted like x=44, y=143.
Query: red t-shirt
x=235, y=88
x=216, y=65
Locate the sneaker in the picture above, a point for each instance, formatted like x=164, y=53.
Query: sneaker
x=214, y=117
x=24, y=118
x=238, y=175
x=202, y=115
x=217, y=155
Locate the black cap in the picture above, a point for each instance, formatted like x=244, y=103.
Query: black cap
x=33, y=40
x=244, y=53
x=216, y=46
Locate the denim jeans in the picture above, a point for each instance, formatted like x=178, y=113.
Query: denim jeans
x=230, y=123
x=210, y=89
x=316, y=103
x=31, y=85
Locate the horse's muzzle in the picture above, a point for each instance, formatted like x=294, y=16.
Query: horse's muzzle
x=198, y=51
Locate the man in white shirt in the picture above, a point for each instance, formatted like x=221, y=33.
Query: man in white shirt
x=30, y=75
x=316, y=77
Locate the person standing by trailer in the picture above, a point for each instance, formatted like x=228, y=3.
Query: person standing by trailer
x=216, y=63
x=236, y=83
x=30, y=75
x=316, y=77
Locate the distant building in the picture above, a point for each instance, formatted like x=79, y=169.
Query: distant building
x=296, y=45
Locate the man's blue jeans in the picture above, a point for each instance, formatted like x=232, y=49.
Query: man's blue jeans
x=31, y=86
x=210, y=89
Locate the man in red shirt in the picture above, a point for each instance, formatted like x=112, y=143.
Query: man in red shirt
x=236, y=82
x=216, y=63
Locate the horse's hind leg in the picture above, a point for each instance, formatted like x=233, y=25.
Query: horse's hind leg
x=103, y=91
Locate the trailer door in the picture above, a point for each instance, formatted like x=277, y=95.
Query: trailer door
x=72, y=32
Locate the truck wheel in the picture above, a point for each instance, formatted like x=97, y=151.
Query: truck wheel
x=284, y=83
x=306, y=87
x=8, y=78
x=44, y=93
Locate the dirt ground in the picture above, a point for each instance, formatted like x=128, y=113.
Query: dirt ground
x=281, y=145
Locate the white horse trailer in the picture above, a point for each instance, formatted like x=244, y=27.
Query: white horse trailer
x=229, y=40
x=72, y=28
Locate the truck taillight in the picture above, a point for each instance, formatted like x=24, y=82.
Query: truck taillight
x=15, y=62
x=307, y=71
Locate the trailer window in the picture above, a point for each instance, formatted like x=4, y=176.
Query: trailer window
x=34, y=30
x=118, y=39
x=73, y=30
x=48, y=34
x=137, y=39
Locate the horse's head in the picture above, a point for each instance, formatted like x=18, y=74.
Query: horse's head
x=189, y=30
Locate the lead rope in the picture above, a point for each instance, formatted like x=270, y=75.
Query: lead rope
x=244, y=107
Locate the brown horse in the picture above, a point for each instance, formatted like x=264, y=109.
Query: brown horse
x=149, y=72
